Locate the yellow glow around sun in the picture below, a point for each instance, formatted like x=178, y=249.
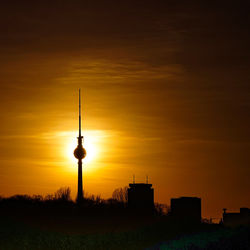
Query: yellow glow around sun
x=91, y=142
x=88, y=144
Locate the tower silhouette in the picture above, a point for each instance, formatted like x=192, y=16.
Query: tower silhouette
x=80, y=154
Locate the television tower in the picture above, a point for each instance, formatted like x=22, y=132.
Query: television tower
x=79, y=154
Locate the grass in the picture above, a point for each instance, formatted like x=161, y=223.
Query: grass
x=18, y=235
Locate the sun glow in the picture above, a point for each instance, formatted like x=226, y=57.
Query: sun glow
x=88, y=144
x=91, y=142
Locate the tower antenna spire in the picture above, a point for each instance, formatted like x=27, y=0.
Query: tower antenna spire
x=80, y=125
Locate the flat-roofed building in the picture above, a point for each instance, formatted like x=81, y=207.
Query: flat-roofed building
x=186, y=209
x=236, y=219
x=141, y=197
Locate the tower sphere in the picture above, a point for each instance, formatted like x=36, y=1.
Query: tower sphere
x=80, y=152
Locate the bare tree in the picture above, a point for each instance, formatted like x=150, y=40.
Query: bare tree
x=63, y=193
x=121, y=194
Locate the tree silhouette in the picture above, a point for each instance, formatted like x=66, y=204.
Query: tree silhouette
x=121, y=194
x=63, y=194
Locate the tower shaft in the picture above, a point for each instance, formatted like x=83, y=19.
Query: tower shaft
x=80, y=189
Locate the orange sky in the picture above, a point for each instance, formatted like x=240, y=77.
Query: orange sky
x=165, y=94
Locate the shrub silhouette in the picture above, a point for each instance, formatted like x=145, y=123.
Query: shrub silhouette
x=161, y=209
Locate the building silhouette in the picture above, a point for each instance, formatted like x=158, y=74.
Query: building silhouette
x=186, y=209
x=141, y=197
x=80, y=154
x=236, y=219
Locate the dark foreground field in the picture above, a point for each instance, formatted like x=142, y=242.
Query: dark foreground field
x=112, y=233
x=57, y=224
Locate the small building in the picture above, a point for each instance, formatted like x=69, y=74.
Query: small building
x=141, y=197
x=186, y=209
x=236, y=219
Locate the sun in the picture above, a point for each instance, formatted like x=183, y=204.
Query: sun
x=90, y=143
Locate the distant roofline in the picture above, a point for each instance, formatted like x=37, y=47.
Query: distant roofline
x=233, y=213
x=140, y=184
x=242, y=210
x=186, y=197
